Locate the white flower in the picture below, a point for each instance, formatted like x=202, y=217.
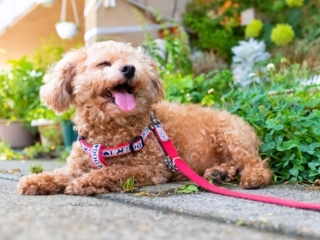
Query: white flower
x=246, y=55
x=271, y=67
x=211, y=91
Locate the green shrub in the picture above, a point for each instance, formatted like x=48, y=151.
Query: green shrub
x=215, y=25
x=44, y=151
x=287, y=120
x=177, y=53
x=210, y=30
x=286, y=116
x=20, y=90
x=284, y=112
x=7, y=153
x=206, y=89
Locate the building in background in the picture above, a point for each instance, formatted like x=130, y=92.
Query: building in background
x=24, y=23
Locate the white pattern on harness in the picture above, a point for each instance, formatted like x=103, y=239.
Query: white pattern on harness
x=96, y=149
x=162, y=135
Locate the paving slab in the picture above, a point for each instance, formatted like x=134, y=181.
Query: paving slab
x=153, y=212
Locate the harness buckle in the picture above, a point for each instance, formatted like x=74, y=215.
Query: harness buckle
x=170, y=164
x=135, y=139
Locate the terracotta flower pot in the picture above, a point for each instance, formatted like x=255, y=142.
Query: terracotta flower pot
x=50, y=132
x=15, y=134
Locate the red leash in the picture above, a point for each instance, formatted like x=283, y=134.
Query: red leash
x=175, y=163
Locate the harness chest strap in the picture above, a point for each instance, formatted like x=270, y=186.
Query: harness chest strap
x=99, y=152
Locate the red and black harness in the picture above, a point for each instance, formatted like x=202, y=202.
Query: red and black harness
x=175, y=163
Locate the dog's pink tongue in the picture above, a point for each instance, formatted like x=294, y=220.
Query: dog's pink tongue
x=125, y=101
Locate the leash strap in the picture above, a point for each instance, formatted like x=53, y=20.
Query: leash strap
x=175, y=163
x=98, y=152
x=187, y=171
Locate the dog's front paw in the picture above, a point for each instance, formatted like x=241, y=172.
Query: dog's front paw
x=28, y=185
x=38, y=184
x=80, y=187
x=216, y=176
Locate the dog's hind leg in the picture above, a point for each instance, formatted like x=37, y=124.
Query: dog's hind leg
x=256, y=175
x=237, y=154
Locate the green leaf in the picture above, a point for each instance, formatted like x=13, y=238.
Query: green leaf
x=268, y=138
x=294, y=16
x=313, y=165
x=268, y=146
x=271, y=123
x=188, y=188
x=279, y=127
x=307, y=148
x=287, y=145
x=316, y=130
x=294, y=172
x=293, y=180
x=278, y=140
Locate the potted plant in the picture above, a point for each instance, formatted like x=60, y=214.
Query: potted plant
x=48, y=126
x=19, y=96
x=54, y=130
x=66, y=30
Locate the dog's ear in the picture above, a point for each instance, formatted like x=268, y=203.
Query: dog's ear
x=158, y=89
x=57, y=91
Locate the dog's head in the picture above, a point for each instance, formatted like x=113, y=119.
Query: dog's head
x=108, y=78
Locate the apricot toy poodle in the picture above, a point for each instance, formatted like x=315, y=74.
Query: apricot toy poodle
x=114, y=88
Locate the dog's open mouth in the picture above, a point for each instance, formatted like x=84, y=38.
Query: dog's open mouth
x=121, y=95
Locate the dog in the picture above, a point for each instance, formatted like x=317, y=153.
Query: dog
x=114, y=88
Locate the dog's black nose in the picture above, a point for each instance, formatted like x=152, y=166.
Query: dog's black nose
x=127, y=70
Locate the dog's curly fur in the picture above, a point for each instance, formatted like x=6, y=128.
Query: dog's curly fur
x=215, y=143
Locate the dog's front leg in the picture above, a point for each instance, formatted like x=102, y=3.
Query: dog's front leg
x=54, y=182
x=109, y=179
x=47, y=183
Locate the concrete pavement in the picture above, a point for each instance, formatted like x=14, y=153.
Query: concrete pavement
x=154, y=212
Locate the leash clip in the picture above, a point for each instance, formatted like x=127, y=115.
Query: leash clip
x=170, y=164
x=154, y=121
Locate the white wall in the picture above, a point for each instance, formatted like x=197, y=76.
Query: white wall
x=12, y=10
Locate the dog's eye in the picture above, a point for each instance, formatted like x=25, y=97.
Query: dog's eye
x=104, y=64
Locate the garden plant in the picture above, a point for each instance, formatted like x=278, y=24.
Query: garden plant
x=291, y=24
x=280, y=100
x=20, y=99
